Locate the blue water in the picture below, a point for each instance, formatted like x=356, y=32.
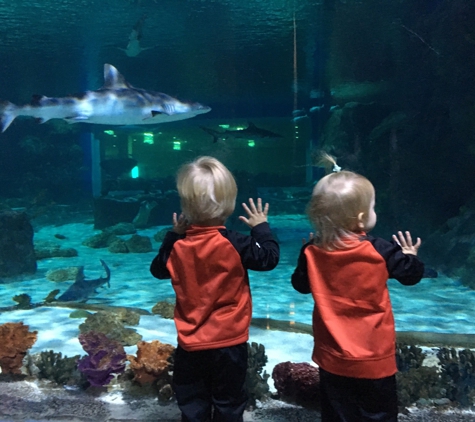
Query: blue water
x=435, y=305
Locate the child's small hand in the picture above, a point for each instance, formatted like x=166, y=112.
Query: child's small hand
x=256, y=215
x=406, y=243
x=179, y=225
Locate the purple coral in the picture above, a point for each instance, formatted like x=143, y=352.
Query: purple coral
x=105, y=357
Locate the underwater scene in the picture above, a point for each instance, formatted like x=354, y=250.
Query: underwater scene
x=102, y=101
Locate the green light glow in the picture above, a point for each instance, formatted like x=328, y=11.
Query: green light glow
x=148, y=138
x=224, y=126
x=110, y=132
x=176, y=145
x=251, y=143
x=134, y=173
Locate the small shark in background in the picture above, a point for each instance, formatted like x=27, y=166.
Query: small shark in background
x=134, y=48
x=251, y=132
x=116, y=103
x=81, y=290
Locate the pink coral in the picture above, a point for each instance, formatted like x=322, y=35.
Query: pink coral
x=151, y=362
x=15, y=340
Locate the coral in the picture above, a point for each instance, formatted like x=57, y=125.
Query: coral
x=55, y=367
x=160, y=235
x=418, y=383
x=23, y=300
x=105, y=357
x=152, y=361
x=139, y=244
x=112, y=324
x=408, y=356
x=297, y=382
x=15, y=340
x=164, y=309
x=458, y=374
x=101, y=240
x=256, y=382
x=59, y=275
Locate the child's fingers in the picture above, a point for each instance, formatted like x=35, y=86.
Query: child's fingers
x=266, y=208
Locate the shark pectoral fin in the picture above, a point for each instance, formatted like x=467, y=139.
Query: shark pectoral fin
x=154, y=113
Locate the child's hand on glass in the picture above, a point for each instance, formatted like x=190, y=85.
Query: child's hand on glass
x=180, y=224
x=406, y=243
x=256, y=215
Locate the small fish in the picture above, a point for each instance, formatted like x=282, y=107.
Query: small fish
x=116, y=103
x=252, y=132
x=81, y=290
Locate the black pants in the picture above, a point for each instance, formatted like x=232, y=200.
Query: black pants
x=345, y=399
x=209, y=384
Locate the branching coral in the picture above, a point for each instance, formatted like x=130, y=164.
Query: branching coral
x=15, y=340
x=105, y=357
x=256, y=381
x=152, y=361
x=55, y=367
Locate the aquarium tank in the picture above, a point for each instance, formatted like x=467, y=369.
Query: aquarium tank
x=101, y=102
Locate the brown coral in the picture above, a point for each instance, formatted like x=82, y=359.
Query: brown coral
x=151, y=362
x=15, y=340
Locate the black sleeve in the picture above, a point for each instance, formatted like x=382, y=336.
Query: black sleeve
x=300, y=281
x=259, y=251
x=158, y=267
x=406, y=268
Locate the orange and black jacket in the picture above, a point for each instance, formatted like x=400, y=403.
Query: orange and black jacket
x=353, y=322
x=208, y=267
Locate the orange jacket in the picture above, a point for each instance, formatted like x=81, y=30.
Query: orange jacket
x=208, y=268
x=353, y=322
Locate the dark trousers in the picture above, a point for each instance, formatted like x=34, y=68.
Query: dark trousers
x=345, y=399
x=209, y=384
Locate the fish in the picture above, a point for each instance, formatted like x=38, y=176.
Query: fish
x=81, y=290
x=252, y=132
x=116, y=103
x=134, y=48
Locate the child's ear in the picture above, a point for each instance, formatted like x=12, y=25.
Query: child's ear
x=361, y=220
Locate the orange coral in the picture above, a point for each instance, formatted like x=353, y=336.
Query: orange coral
x=15, y=340
x=151, y=361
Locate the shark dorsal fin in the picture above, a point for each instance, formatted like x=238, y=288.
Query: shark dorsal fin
x=113, y=79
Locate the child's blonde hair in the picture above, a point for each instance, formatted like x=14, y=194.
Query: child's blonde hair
x=207, y=190
x=337, y=200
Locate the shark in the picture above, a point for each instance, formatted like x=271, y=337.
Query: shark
x=251, y=132
x=81, y=290
x=116, y=103
x=134, y=48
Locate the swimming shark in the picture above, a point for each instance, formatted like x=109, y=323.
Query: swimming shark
x=81, y=290
x=134, y=48
x=252, y=132
x=116, y=103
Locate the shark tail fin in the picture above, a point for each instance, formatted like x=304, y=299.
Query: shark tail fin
x=108, y=272
x=7, y=115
